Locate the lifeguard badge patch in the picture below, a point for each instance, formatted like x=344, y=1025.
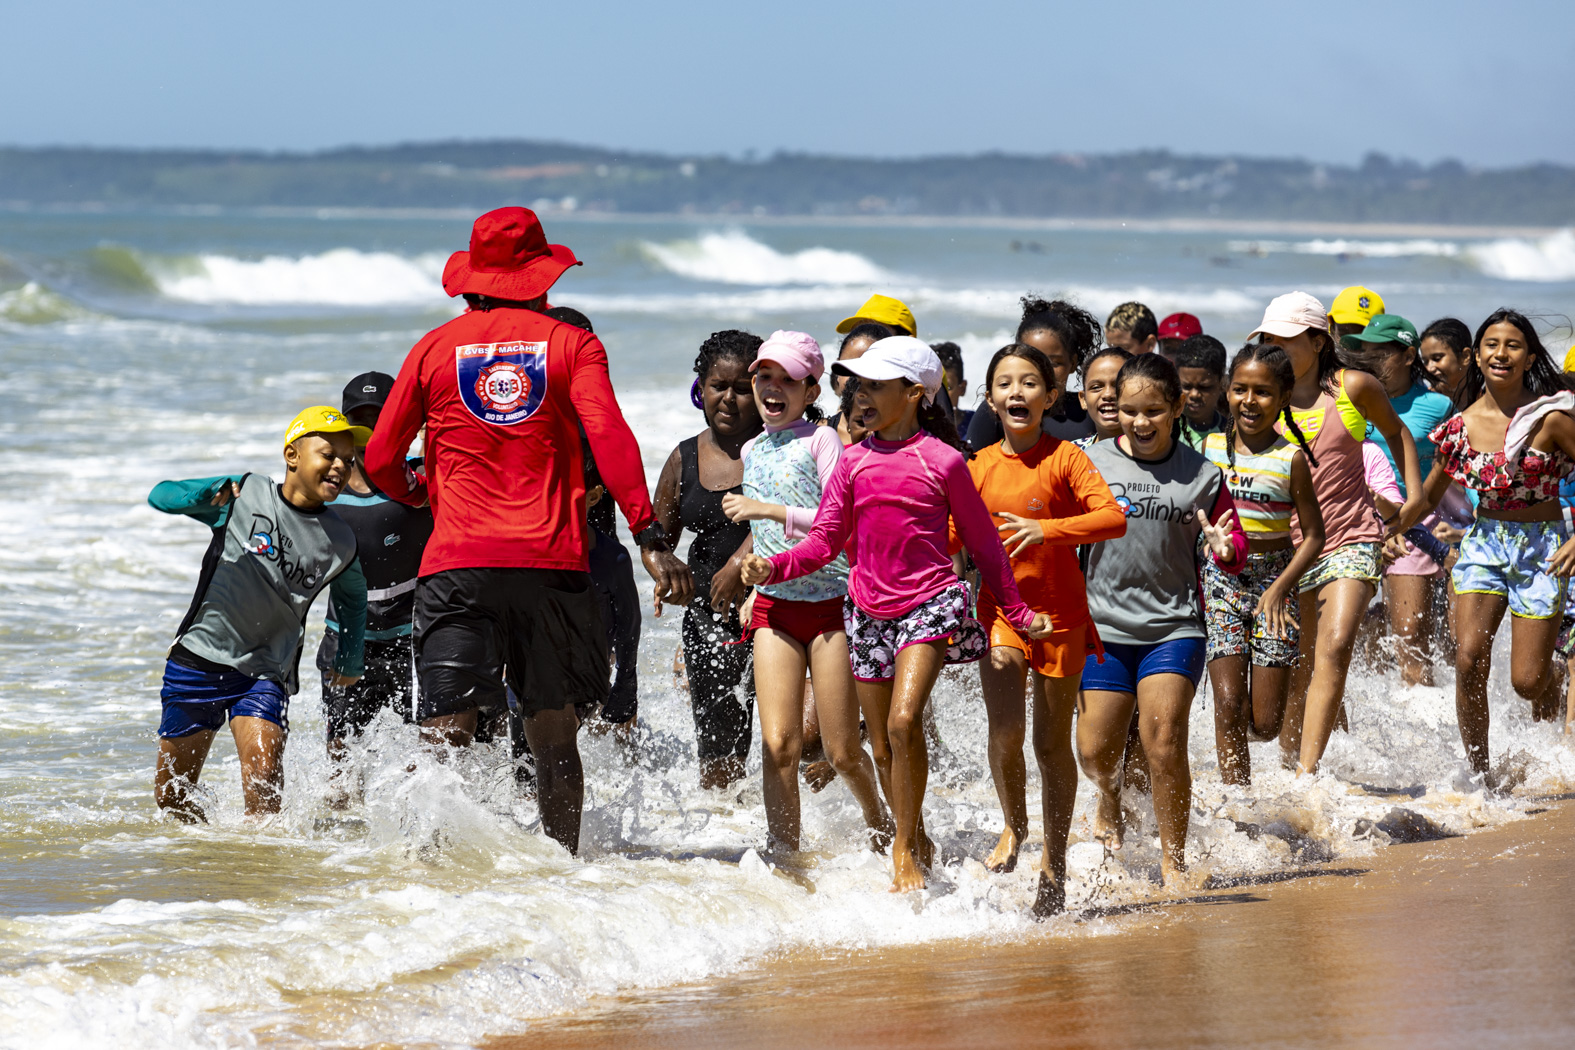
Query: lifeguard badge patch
x=502, y=383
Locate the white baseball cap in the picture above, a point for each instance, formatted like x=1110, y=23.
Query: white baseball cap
x=1291, y=314
x=897, y=357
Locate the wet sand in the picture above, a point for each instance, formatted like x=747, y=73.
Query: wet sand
x=1466, y=942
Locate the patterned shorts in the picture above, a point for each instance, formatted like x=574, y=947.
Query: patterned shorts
x=873, y=644
x=1354, y=561
x=1511, y=558
x=1229, y=602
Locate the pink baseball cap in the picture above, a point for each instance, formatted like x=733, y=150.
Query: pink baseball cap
x=1291, y=314
x=797, y=353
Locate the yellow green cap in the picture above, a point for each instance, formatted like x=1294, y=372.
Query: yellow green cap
x=1356, y=305
x=883, y=308
x=323, y=419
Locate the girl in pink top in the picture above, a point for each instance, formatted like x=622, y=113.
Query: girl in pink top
x=888, y=504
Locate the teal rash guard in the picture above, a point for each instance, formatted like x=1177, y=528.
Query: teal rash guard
x=267, y=562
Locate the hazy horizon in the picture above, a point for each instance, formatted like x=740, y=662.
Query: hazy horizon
x=1329, y=83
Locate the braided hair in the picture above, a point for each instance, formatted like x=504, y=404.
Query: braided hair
x=1279, y=365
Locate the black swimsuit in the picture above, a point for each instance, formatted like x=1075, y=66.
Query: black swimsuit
x=713, y=661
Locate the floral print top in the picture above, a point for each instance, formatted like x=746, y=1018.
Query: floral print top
x=1502, y=485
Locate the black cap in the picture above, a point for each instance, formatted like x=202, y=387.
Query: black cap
x=368, y=388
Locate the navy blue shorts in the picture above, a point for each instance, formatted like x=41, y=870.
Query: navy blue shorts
x=1127, y=665
x=196, y=700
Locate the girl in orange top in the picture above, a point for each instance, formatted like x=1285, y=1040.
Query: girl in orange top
x=1048, y=498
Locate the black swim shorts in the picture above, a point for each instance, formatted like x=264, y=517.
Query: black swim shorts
x=389, y=681
x=542, y=628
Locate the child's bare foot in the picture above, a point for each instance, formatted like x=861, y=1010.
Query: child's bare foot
x=881, y=834
x=721, y=773
x=1109, y=825
x=1289, y=760
x=1050, y=899
x=1004, y=857
x=1174, y=875
x=818, y=774
x=906, y=875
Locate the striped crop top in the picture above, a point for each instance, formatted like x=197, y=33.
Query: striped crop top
x=1260, y=485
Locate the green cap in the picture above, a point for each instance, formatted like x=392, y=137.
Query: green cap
x=1385, y=328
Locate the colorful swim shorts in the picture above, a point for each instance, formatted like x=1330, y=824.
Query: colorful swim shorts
x=1354, y=561
x=1511, y=558
x=1230, y=601
x=873, y=644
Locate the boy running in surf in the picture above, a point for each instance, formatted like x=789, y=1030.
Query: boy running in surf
x=275, y=548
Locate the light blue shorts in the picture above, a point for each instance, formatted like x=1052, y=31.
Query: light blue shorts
x=1511, y=558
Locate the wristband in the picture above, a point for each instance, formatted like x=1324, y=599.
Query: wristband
x=653, y=538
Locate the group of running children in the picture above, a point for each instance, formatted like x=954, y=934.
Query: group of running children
x=1092, y=549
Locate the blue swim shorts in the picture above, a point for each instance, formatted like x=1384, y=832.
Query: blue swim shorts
x=1127, y=665
x=196, y=700
x=1511, y=558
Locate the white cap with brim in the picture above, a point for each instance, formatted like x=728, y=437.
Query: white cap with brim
x=897, y=357
x=1291, y=314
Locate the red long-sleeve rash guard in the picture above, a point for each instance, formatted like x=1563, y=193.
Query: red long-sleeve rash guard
x=500, y=392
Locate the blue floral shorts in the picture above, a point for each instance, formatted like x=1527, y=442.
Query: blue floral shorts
x=873, y=644
x=1511, y=558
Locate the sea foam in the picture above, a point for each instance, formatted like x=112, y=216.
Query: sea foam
x=734, y=257
x=340, y=277
x=1546, y=259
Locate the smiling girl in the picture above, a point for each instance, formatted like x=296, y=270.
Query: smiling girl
x=1512, y=442
x=1143, y=595
x=798, y=622
x=1252, y=614
x=888, y=503
x=1332, y=407
x=1048, y=499
x=1099, y=394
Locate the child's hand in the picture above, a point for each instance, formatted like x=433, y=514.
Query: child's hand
x=1563, y=561
x=1447, y=533
x=742, y=508
x=756, y=570
x=746, y=612
x=1395, y=548
x=1217, y=536
x=225, y=494
x=1278, y=621
x=1025, y=532
x=1040, y=628
x=340, y=681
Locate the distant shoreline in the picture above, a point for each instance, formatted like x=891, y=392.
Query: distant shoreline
x=1245, y=227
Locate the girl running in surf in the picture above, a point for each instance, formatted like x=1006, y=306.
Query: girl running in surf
x=1512, y=443
x=798, y=622
x=701, y=471
x=888, y=503
x=1047, y=498
x=1332, y=406
x=1143, y=596
x=1251, y=614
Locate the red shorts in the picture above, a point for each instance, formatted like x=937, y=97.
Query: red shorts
x=801, y=621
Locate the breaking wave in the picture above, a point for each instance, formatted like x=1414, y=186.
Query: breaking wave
x=734, y=257
x=340, y=277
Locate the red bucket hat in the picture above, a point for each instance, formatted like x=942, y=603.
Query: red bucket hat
x=509, y=258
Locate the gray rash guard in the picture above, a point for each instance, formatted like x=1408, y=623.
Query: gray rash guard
x=1143, y=586
x=268, y=561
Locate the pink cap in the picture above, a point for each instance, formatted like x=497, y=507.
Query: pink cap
x=797, y=353
x=1291, y=314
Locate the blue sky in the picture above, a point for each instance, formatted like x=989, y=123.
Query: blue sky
x=1487, y=83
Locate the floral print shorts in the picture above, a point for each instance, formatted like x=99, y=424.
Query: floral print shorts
x=873, y=644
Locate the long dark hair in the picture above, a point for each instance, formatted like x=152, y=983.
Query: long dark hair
x=938, y=422
x=1278, y=362
x=1542, y=375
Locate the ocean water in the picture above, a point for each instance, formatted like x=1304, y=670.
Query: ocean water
x=142, y=346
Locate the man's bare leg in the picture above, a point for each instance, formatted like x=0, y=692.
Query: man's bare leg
x=560, y=778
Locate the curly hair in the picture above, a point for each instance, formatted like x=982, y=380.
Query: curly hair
x=728, y=345
x=1077, y=330
x=1133, y=317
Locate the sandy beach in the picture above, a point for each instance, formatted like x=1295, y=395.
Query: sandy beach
x=1464, y=942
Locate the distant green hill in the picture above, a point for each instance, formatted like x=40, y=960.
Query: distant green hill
x=1153, y=184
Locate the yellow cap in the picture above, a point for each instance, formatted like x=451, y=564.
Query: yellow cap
x=321, y=419
x=886, y=310
x=1356, y=305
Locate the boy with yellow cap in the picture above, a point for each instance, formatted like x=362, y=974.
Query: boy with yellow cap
x=275, y=548
x=882, y=309
x=1353, y=308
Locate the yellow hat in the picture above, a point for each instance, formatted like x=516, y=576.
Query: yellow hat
x=321, y=419
x=1356, y=305
x=883, y=308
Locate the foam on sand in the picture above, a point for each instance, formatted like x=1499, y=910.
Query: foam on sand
x=734, y=257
